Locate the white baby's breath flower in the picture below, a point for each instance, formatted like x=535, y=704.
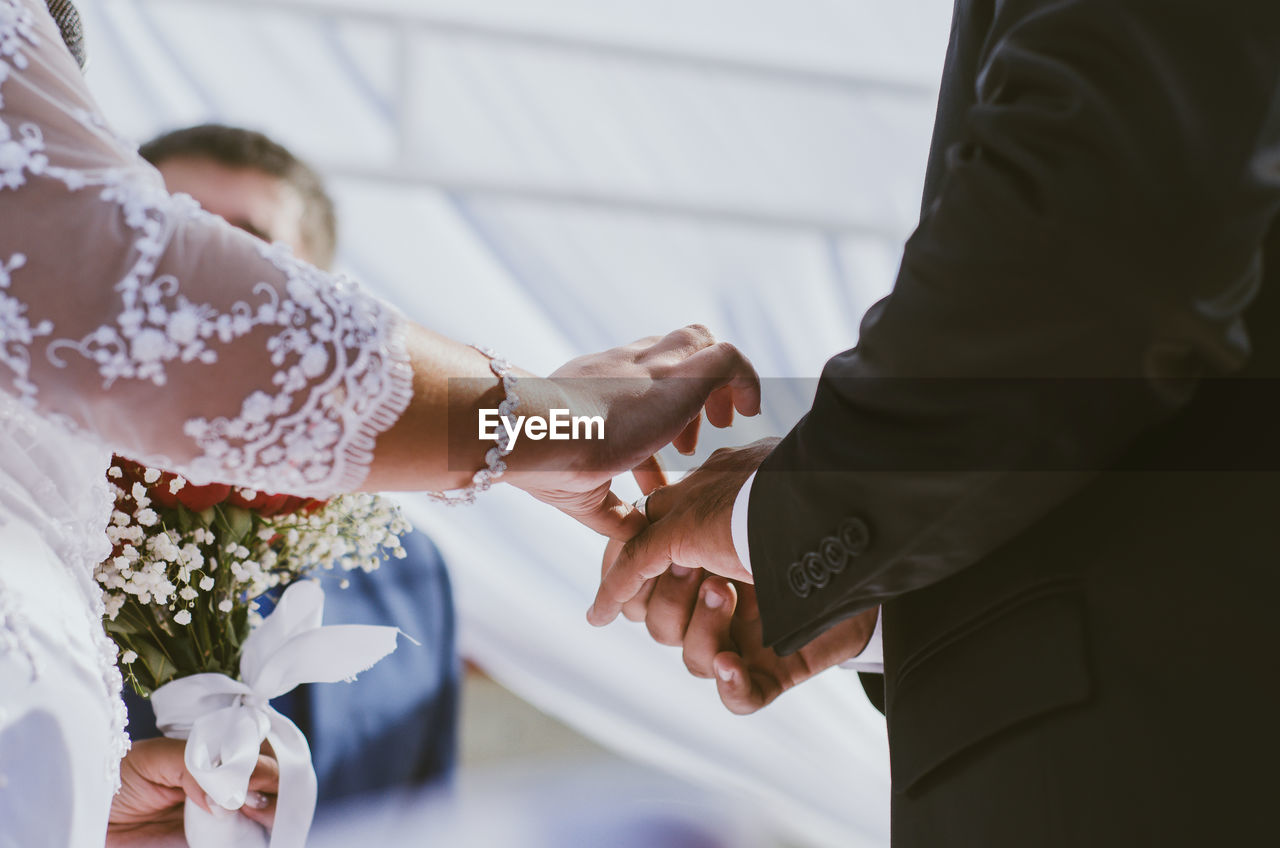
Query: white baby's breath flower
x=113, y=605
x=129, y=657
x=175, y=484
x=114, y=472
x=151, y=475
x=147, y=517
x=182, y=617
x=191, y=556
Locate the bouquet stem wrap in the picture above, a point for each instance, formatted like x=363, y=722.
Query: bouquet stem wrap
x=225, y=721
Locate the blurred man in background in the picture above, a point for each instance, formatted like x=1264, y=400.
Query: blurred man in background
x=399, y=726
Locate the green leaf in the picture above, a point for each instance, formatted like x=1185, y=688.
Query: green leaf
x=157, y=664
x=239, y=520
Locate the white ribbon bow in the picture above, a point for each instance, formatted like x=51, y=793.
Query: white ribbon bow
x=225, y=721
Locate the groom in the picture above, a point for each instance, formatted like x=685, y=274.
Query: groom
x=1028, y=475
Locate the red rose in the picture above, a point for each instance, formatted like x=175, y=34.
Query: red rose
x=197, y=498
x=263, y=503
x=131, y=472
x=160, y=492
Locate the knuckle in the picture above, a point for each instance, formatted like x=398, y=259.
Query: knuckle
x=729, y=350
x=700, y=333
x=720, y=454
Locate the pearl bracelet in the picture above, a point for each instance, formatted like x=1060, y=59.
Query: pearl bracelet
x=495, y=457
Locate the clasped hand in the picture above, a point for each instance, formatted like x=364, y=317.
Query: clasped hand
x=682, y=576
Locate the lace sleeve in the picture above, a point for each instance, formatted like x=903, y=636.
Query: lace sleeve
x=171, y=336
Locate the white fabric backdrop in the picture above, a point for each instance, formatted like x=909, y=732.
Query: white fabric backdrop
x=563, y=176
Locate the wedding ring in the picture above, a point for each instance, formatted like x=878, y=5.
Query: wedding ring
x=640, y=506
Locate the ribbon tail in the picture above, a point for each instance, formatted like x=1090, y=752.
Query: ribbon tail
x=323, y=655
x=296, y=801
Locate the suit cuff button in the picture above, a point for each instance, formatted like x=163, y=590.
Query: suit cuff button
x=855, y=535
x=834, y=554
x=816, y=570
x=798, y=580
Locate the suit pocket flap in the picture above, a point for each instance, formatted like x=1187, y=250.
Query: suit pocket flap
x=1011, y=664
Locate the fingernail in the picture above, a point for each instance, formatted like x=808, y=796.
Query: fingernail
x=680, y=571
x=713, y=600
x=725, y=673
x=257, y=800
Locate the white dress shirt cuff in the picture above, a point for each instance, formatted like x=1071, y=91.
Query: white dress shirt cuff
x=738, y=524
x=871, y=660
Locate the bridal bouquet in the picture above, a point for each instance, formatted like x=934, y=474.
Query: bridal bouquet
x=182, y=588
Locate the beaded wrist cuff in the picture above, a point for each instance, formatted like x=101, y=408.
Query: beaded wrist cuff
x=495, y=457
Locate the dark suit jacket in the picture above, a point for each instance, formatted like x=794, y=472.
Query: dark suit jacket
x=1052, y=455
x=397, y=724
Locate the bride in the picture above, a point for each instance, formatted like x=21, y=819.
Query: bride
x=131, y=321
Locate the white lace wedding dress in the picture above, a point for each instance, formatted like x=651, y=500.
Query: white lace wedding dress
x=130, y=321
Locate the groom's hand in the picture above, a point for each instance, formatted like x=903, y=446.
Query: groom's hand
x=689, y=532
x=649, y=394
x=723, y=640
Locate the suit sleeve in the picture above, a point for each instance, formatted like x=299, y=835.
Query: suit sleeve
x=1086, y=260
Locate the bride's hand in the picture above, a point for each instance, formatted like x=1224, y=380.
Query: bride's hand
x=650, y=393
x=154, y=785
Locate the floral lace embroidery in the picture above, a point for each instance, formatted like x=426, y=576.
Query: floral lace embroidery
x=15, y=633
x=17, y=24
x=16, y=332
x=342, y=376
x=337, y=348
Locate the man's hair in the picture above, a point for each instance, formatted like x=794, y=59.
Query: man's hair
x=236, y=147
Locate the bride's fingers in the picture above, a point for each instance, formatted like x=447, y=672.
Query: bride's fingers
x=649, y=475
x=160, y=762
x=723, y=365
x=682, y=343
x=194, y=790
x=264, y=785
x=266, y=775
x=260, y=808
x=602, y=510
x=720, y=407
x=687, y=442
